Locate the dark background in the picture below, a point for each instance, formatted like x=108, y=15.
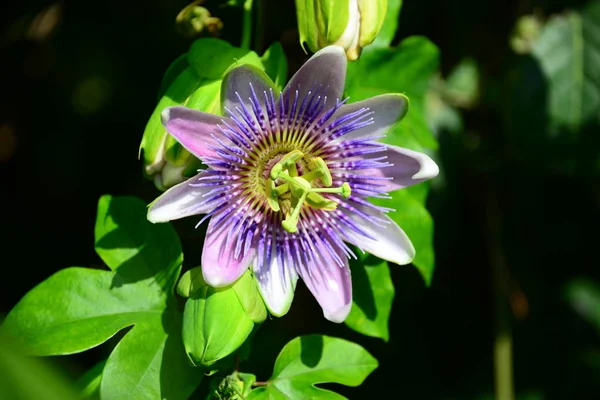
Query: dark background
x=76, y=95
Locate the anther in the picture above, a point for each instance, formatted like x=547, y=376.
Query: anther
x=283, y=164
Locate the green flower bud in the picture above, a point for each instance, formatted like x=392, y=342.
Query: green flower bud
x=193, y=80
x=217, y=321
x=236, y=386
x=352, y=24
x=195, y=21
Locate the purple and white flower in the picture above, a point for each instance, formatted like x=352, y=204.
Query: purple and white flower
x=288, y=181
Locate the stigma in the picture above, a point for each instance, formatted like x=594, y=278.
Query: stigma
x=303, y=190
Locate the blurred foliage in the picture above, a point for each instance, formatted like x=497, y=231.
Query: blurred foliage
x=24, y=377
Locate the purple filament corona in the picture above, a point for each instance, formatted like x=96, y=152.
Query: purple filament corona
x=262, y=124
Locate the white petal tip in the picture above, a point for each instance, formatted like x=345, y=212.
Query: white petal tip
x=334, y=48
x=279, y=310
x=214, y=279
x=156, y=216
x=338, y=316
x=165, y=115
x=407, y=259
x=278, y=297
x=429, y=169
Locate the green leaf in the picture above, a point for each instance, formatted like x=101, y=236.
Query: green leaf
x=390, y=25
x=90, y=382
x=412, y=216
x=406, y=69
x=584, y=296
x=247, y=380
x=209, y=334
x=155, y=133
x=568, y=51
x=124, y=241
x=207, y=97
x=173, y=71
x=372, y=297
x=275, y=64
x=27, y=378
x=79, y=308
x=151, y=359
x=309, y=360
x=211, y=58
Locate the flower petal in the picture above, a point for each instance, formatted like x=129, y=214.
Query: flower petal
x=330, y=283
x=386, y=239
x=193, y=129
x=325, y=70
x=220, y=267
x=276, y=284
x=242, y=81
x=386, y=110
x=407, y=168
x=181, y=201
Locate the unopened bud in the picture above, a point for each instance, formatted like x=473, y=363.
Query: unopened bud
x=352, y=24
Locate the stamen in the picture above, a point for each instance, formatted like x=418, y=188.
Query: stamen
x=319, y=170
x=290, y=158
x=300, y=187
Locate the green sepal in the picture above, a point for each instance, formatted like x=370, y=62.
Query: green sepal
x=217, y=321
x=372, y=15
x=155, y=134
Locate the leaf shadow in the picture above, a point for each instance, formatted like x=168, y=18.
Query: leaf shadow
x=363, y=295
x=189, y=377
x=311, y=350
x=138, y=234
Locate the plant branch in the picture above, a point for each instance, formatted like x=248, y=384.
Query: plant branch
x=247, y=25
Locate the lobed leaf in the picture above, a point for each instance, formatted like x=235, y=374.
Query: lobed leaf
x=79, y=308
x=309, y=360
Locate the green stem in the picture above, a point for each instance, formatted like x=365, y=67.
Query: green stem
x=259, y=33
x=503, y=343
x=247, y=28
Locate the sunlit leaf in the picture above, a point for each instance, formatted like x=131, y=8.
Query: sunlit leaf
x=309, y=360
x=406, y=69
x=211, y=58
x=79, y=308
x=275, y=64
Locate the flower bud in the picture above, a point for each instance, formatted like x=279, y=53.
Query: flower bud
x=217, y=321
x=196, y=21
x=352, y=24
